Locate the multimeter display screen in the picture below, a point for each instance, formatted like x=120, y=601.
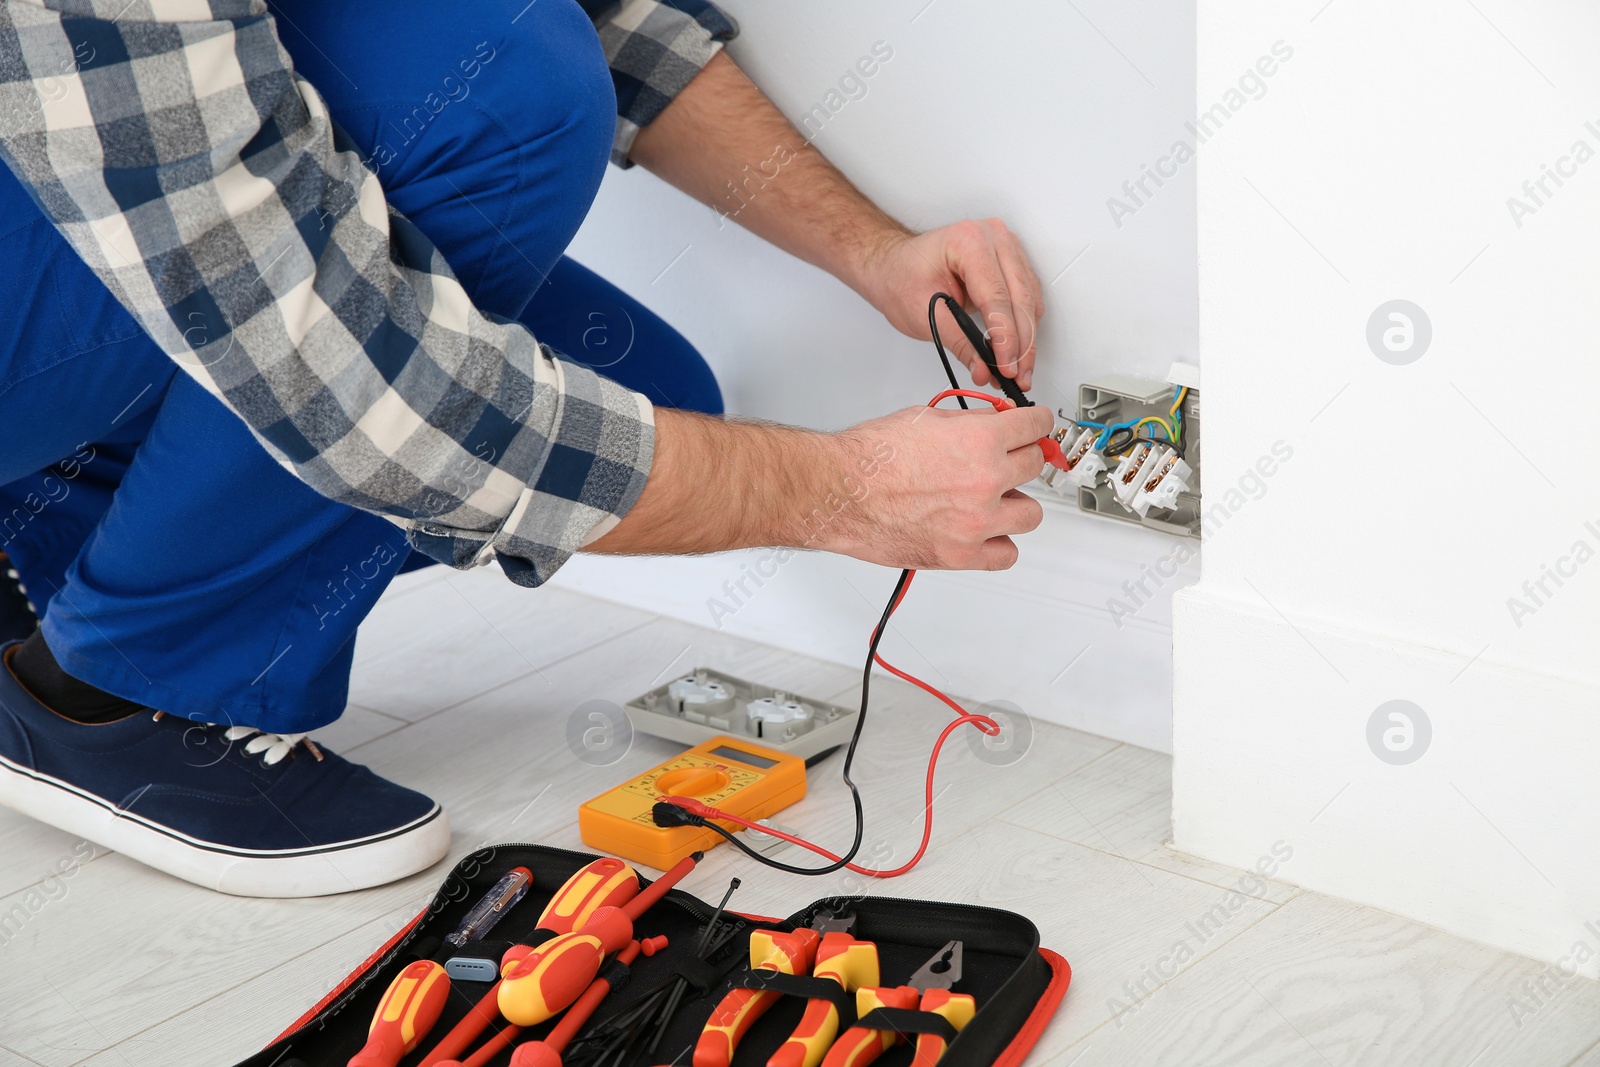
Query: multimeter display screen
x=739, y=756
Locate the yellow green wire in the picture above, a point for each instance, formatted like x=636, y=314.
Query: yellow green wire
x=1159, y=421
x=1172, y=413
x=1172, y=425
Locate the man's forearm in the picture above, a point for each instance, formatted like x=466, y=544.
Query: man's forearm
x=918, y=488
x=724, y=143
x=719, y=484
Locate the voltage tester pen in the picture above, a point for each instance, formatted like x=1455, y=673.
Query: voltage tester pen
x=495, y=903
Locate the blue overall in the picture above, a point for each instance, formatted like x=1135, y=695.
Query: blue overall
x=173, y=561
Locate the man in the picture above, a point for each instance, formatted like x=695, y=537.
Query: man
x=264, y=340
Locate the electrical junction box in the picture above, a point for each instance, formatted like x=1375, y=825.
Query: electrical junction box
x=707, y=703
x=1152, y=484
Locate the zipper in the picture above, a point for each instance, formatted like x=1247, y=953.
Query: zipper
x=807, y=916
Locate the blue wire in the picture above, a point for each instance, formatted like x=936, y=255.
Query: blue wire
x=1107, y=430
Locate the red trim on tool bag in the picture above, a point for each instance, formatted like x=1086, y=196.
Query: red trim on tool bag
x=758, y=918
x=350, y=979
x=1042, y=1013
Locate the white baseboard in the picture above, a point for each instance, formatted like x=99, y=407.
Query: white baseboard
x=1041, y=636
x=1489, y=835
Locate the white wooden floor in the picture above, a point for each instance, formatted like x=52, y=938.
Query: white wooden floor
x=463, y=688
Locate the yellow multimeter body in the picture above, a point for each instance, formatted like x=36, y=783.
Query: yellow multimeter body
x=727, y=773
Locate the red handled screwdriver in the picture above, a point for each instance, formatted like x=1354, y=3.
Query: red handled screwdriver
x=406, y=1013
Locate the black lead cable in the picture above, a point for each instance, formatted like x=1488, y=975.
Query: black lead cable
x=667, y=814
x=980, y=344
x=933, y=328
x=679, y=817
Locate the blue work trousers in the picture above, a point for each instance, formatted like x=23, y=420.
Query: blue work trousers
x=173, y=561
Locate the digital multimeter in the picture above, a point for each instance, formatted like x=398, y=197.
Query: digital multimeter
x=729, y=773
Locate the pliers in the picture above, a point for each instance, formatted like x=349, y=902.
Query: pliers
x=837, y=955
x=928, y=991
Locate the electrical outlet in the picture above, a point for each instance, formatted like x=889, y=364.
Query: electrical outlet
x=706, y=703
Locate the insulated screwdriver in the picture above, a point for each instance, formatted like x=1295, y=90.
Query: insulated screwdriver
x=570, y=1024
x=547, y=1052
x=408, y=1010
x=556, y=973
x=603, y=883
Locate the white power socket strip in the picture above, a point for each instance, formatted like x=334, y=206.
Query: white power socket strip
x=707, y=703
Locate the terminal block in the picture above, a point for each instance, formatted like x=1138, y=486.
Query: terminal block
x=1085, y=463
x=707, y=703
x=1164, y=478
x=1153, y=484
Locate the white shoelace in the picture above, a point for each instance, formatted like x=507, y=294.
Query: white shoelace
x=11, y=572
x=274, y=746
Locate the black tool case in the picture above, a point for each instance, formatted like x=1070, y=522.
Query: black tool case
x=1017, y=985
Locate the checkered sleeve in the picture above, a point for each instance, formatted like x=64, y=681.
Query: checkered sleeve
x=172, y=144
x=655, y=47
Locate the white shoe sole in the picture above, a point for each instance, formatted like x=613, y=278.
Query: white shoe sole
x=309, y=872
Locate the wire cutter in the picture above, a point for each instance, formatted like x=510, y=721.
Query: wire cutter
x=841, y=958
x=774, y=952
x=927, y=992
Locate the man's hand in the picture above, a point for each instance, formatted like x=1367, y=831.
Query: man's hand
x=983, y=266
x=946, y=497
x=723, y=142
x=920, y=488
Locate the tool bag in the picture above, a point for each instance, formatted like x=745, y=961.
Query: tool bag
x=1018, y=985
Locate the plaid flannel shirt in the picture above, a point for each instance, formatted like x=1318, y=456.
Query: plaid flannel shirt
x=172, y=144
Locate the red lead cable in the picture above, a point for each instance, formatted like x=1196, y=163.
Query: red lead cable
x=1052, y=448
x=963, y=717
x=1052, y=452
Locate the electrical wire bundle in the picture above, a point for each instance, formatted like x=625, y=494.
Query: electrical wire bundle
x=611, y=1041
x=1112, y=442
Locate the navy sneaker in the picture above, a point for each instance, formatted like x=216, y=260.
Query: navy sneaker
x=18, y=617
x=229, y=808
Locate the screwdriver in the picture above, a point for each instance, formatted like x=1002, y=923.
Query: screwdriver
x=547, y=1052
x=570, y=1024
x=603, y=883
x=408, y=1010
x=543, y=983
x=495, y=903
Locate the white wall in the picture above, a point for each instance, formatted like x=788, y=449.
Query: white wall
x=1379, y=564
x=1037, y=113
